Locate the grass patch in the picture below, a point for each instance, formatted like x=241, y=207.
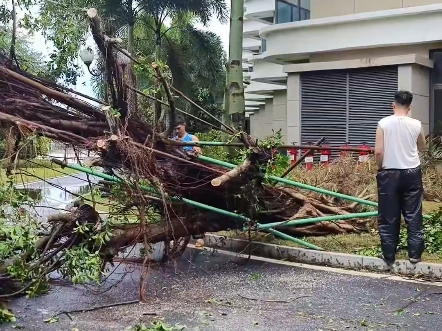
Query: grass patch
x=26, y=175
x=102, y=204
x=363, y=244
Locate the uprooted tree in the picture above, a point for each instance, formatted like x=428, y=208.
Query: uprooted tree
x=151, y=169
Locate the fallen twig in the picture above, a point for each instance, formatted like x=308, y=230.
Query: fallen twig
x=274, y=300
x=117, y=304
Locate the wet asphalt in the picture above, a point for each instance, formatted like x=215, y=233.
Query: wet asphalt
x=58, y=193
x=206, y=290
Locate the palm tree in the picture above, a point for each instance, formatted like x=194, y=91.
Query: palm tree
x=160, y=10
x=196, y=61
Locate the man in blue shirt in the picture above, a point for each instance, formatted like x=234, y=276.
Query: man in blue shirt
x=181, y=134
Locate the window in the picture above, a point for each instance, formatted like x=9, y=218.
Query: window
x=263, y=45
x=436, y=92
x=284, y=12
x=437, y=69
x=304, y=10
x=292, y=10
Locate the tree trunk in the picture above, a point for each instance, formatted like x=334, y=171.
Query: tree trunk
x=235, y=87
x=158, y=109
x=132, y=95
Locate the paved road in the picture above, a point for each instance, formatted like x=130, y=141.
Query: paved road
x=206, y=291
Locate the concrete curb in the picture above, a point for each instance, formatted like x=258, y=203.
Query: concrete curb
x=339, y=260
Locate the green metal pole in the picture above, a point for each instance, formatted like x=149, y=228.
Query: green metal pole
x=235, y=87
x=301, y=185
x=296, y=184
x=319, y=219
x=187, y=201
x=293, y=239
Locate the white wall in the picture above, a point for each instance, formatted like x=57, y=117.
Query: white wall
x=294, y=108
x=404, y=26
x=279, y=114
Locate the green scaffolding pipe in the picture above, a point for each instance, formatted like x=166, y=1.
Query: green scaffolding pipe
x=296, y=184
x=187, y=201
x=319, y=219
x=293, y=239
x=300, y=185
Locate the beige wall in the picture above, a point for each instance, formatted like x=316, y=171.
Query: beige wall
x=256, y=122
x=416, y=79
x=263, y=121
x=422, y=49
x=279, y=113
x=294, y=108
x=327, y=8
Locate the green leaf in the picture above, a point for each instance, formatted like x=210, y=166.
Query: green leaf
x=399, y=312
x=51, y=320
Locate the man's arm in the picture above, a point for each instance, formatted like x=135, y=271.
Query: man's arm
x=197, y=149
x=421, y=143
x=379, y=147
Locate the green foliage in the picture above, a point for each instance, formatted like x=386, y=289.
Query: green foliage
x=42, y=145
x=216, y=152
x=33, y=164
x=63, y=24
x=432, y=237
x=18, y=235
x=157, y=326
x=6, y=316
x=29, y=148
x=432, y=156
x=28, y=59
x=432, y=234
x=83, y=263
x=369, y=251
x=278, y=163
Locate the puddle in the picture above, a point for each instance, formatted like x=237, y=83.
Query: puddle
x=56, y=194
x=53, y=199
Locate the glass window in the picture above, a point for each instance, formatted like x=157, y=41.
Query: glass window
x=437, y=69
x=305, y=14
x=437, y=111
x=292, y=10
x=295, y=14
x=263, y=45
x=305, y=4
x=284, y=11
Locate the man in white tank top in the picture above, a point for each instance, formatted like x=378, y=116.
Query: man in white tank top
x=399, y=138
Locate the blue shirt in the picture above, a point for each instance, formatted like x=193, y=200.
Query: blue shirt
x=187, y=138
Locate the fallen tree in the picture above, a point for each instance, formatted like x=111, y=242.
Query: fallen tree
x=142, y=158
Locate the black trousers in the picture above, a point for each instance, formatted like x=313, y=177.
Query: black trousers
x=400, y=192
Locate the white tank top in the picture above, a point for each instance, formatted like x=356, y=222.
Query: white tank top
x=400, y=142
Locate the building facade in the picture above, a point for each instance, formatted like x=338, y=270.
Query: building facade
x=331, y=67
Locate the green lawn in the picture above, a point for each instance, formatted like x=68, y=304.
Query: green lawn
x=363, y=244
x=34, y=174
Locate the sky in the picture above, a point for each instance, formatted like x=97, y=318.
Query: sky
x=83, y=84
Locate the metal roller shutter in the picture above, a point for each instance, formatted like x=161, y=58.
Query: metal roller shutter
x=323, y=107
x=346, y=105
x=371, y=93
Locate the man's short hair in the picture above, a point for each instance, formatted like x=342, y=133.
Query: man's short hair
x=179, y=119
x=403, y=98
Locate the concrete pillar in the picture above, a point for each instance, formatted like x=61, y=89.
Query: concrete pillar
x=416, y=79
x=294, y=108
x=279, y=113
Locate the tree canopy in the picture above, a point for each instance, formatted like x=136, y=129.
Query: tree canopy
x=159, y=30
